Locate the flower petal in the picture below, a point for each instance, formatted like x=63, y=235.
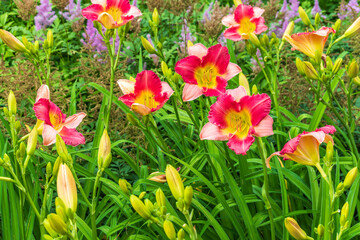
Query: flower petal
x=74, y=120
x=218, y=56
x=134, y=11
x=191, y=92
x=126, y=86
x=264, y=128
x=123, y=5
x=198, y=50
x=92, y=12
x=43, y=92
x=186, y=67
x=212, y=132
x=232, y=33
x=49, y=135
x=240, y=146
x=71, y=136
x=107, y=20
x=147, y=81
x=229, y=21
x=237, y=93
x=231, y=71
x=100, y=2
x=220, y=109
x=268, y=159
x=165, y=88
x=243, y=11
x=327, y=129
x=258, y=12
x=260, y=25
x=221, y=84
x=41, y=109
x=128, y=99
x=141, y=109
x=258, y=106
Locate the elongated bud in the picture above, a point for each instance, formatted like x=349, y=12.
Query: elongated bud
x=317, y=19
x=49, y=229
x=265, y=41
x=47, y=237
x=344, y=214
x=57, y=224
x=160, y=198
x=149, y=205
x=310, y=71
x=189, y=43
x=6, y=158
x=289, y=29
x=32, y=142
x=22, y=149
x=147, y=45
x=294, y=229
x=181, y=234
x=12, y=103
x=350, y=177
x=48, y=169
x=11, y=41
x=353, y=29
x=254, y=39
x=142, y=195
x=188, y=195
x=174, y=180
x=300, y=66
x=6, y=111
x=61, y=148
x=165, y=69
x=337, y=25
x=134, y=121
x=320, y=230
x=337, y=65
x=140, y=207
x=50, y=39
x=66, y=187
x=340, y=188
x=304, y=17
x=104, y=152
x=125, y=186
x=356, y=80
x=36, y=47
x=169, y=230
x=244, y=82
x=353, y=69
x=56, y=166
x=329, y=152
x=329, y=63
x=237, y=2
x=60, y=209
x=155, y=17
x=254, y=89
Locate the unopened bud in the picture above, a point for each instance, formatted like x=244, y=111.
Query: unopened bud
x=61, y=148
x=294, y=229
x=169, y=230
x=66, y=187
x=104, y=152
x=300, y=66
x=254, y=89
x=125, y=186
x=175, y=183
x=353, y=69
x=6, y=111
x=329, y=63
x=329, y=152
x=147, y=45
x=340, y=188
x=133, y=120
x=337, y=65
x=317, y=19
x=48, y=169
x=6, y=158
x=237, y=2
x=304, y=17
x=165, y=69
x=188, y=195
x=57, y=224
x=155, y=17
x=181, y=234
x=140, y=207
x=356, y=80
x=265, y=41
x=160, y=198
x=149, y=205
x=32, y=142
x=12, y=103
x=142, y=195
x=337, y=25
x=49, y=229
x=244, y=82
x=350, y=177
x=50, y=39
x=289, y=29
x=56, y=166
x=254, y=39
x=22, y=149
x=310, y=71
x=344, y=214
x=353, y=29
x=60, y=208
x=11, y=41
x=320, y=230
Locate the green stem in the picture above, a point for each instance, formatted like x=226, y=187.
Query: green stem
x=79, y=186
x=93, y=206
x=43, y=207
x=266, y=186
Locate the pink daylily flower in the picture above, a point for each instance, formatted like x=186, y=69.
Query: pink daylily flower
x=304, y=148
x=246, y=19
x=51, y=121
x=147, y=94
x=206, y=71
x=111, y=13
x=236, y=117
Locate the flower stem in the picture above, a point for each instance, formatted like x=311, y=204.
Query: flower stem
x=93, y=206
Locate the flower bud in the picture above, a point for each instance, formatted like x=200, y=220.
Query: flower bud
x=265, y=41
x=17, y=126
x=60, y=209
x=254, y=39
x=337, y=65
x=149, y=205
x=57, y=224
x=12, y=103
x=175, y=183
x=254, y=89
x=353, y=29
x=104, y=152
x=320, y=230
x=49, y=229
x=32, y=142
x=155, y=17
x=6, y=111
x=6, y=158
x=294, y=229
x=36, y=48
x=66, y=187
x=56, y=166
x=47, y=237
x=317, y=19
x=147, y=45
x=188, y=195
x=244, y=82
x=289, y=29
x=134, y=121
x=139, y=207
x=181, y=234
x=339, y=188
x=300, y=66
x=357, y=80
x=237, y=2
x=304, y=17
x=142, y=195
x=160, y=198
x=11, y=41
x=329, y=153
x=353, y=69
x=329, y=63
x=22, y=149
x=50, y=39
x=165, y=69
x=157, y=177
x=310, y=71
x=125, y=186
x=350, y=177
x=337, y=25
x=61, y=148
x=344, y=214
x=48, y=169
x=1, y=161
x=169, y=230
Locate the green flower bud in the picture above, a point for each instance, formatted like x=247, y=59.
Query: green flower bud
x=12, y=103
x=149, y=205
x=11, y=41
x=329, y=64
x=169, y=230
x=317, y=19
x=165, y=69
x=294, y=229
x=357, y=80
x=32, y=142
x=300, y=66
x=50, y=39
x=134, y=121
x=57, y=224
x=337, y=65
x=142, y=195
x=289, y=29
x=139, y=207
x=56, y=166
x=353, y=69
x=337, y=25
x=6, y=112
x=329, y=152
x=265, y=41
x=155, y=17
x=61, y=148
x=254, y=89
x=181, y=234
x=254, y=39
x=310, y=71
x=104, y=152
x=244, y=82
x=304, y=17
x=320, y=230
x=60, y=209
x=344, y=214
x=22, y=149
x=350, y=177
x=147, y=45
x=48, y=237
x=339, y=188
x=175, y=183
x=353, y=30
x=188, y=195
x=160, y=198
x=48, y=169
x=125, y=186
x=17, y=126
x=49, y=228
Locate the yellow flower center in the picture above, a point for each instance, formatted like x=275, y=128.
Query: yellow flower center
x=56, y=122
x=246, y=26
x=147, y=98
x=238, y=123
x=116, y=14
x=206, y=76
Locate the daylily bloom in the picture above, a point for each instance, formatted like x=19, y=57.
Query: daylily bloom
x=246, y=19
x=304, y=148
x=147, y=94
x=55, y=122
x=43, y=92
x=236, y=117
x=206, y=71
x=66, y=187
x=310, y=42
x=111, y=13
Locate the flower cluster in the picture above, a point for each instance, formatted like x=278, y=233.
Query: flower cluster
x=45, y=16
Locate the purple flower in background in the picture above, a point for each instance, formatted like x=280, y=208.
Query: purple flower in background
x=184, y=37
x=73, y=10
x=135, y=3
x=206, y=15
x=45, y=16
x=316, y=9
x=351, y=8
x=288, y=11
x=353, y=5
x=154, y=57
